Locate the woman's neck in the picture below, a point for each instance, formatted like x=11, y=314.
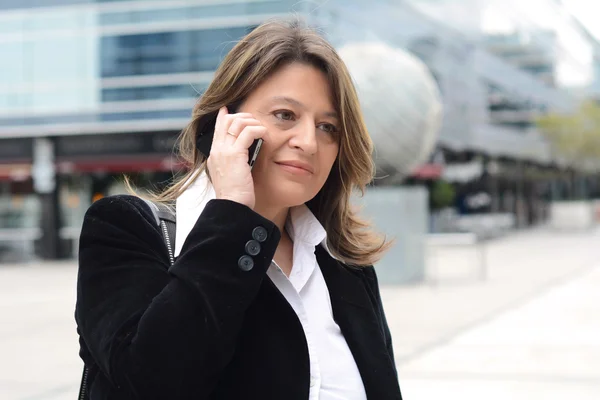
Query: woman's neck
x=276, y=214
x=284, y=255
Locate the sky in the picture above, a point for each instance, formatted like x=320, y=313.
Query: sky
x=588, y=12
x=574, y=54
x=571, y=50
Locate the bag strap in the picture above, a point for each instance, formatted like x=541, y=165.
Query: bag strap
x=165, y=219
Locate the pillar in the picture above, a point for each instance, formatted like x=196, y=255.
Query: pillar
x=44, y=183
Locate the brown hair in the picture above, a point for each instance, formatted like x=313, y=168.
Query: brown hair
x=252, y=60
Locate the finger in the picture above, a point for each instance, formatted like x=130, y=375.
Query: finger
x=248, y=135
x=219, y=135
x=226, y=122
x=238, y=125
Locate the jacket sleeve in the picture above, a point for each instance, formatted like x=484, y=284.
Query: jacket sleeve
x=157, y=331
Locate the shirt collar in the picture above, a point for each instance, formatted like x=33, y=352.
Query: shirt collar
x=302, y=225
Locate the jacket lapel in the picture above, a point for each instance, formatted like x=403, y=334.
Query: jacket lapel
x=354, y=312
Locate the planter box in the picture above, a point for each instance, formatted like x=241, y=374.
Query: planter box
x=572, y=215
x=402, y=214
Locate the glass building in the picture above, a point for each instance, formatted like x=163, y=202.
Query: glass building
x=112, y=83
x=498, y=64
x=92, y=67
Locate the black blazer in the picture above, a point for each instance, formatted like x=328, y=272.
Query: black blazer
x=209, y=327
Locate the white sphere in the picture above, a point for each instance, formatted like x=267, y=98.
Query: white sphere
x=401, y=104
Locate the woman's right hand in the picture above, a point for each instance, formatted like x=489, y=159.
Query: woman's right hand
x=227, y=163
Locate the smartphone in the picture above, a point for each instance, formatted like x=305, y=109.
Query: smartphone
x=206, y=132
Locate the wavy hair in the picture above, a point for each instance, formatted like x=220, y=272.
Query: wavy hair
x=252, y=60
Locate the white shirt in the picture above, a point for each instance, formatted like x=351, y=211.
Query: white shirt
x=333, y=371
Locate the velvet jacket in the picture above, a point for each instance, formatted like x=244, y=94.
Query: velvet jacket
x=210, y=326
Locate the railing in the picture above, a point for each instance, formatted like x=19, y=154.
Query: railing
x=18, y=244
x=20, y=239
x=71, y=233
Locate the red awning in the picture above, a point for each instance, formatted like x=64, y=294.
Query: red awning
x=118, y=165
x=428, y=171
x=15, y=172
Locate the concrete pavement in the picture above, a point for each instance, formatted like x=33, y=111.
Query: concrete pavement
x=38, y=339
x=530, y=330
x=547, y=348
x=519, y=267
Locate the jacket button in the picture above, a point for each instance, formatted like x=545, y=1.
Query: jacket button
x=259, y=233
x=246, y=263
x=252, y=247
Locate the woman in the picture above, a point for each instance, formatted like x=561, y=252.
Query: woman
x=272, y=294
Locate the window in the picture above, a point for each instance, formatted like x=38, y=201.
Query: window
x=95, y=117
x=188, y=12
x=167, y=52
x=141, y=115
x=153, y=92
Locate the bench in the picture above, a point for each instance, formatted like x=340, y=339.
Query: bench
x=437, y=241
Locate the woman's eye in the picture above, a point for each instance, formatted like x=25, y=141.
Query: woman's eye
x=284, y=115
x=329, y=128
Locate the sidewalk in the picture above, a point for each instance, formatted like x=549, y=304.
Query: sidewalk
x=518, y=267
x=38, y=339
x=447, y=337
x=511, y=334
x=548, y=348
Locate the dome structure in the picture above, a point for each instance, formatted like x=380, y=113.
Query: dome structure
x=401, y=104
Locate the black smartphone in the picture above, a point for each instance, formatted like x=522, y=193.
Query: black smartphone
x=206, y=132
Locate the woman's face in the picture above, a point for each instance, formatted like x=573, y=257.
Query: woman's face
x=295, y=106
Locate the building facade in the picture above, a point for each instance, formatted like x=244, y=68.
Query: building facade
x=498, y=66
x=90, y=90
x=108, y=85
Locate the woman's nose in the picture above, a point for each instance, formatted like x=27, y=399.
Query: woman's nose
x=305, y=138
